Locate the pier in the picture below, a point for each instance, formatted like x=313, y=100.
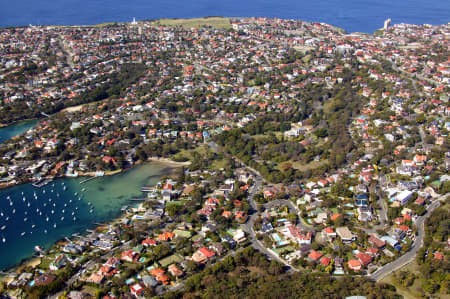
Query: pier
x=88, y=179
x=138, y=199
x=42, y=183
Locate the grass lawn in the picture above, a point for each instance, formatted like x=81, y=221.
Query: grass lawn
x=202, y=150
x=89, y=290
x=215, y=22
x=218, y=164
x=45, y=263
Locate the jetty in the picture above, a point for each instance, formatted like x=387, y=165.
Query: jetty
x=147, y=189
x=138, y=199
x=88, y=179
x=40, y=184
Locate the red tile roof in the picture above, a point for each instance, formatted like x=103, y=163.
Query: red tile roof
x=315, y=255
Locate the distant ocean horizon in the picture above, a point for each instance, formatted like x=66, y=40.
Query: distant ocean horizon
x=351, y=15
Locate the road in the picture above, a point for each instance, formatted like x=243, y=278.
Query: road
x=292, y=208
x=412, y=76
x=411, y=254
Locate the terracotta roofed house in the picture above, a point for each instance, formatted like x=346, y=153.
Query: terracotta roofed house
x=354, y=265
x=314, y=255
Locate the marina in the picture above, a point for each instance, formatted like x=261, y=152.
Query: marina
x=31, y=215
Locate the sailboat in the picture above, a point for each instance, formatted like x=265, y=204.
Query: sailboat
x=3, y=239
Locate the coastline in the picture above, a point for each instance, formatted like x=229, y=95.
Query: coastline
x=2, y=125
x=33, y=261
x=167, y=161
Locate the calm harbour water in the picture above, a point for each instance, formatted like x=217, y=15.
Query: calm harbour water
x=352, y=15
x=16, y=129
x=61, y=201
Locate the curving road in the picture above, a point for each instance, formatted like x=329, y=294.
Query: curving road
x=411, y=254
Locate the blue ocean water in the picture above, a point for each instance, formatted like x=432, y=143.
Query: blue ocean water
x=352, y=15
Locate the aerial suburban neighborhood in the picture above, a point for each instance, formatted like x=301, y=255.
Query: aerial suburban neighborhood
x=292, y=144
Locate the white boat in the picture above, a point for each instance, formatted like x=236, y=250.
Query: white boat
x=33, y=226
x=64, y=188
x=10, y=203
x=83, y=189
x=54, y=225
x=7, y=218
x=4, y=240
x=76, y=193
x=45, y=231
x=38, y=248
x=43, y=191
x=23, y=233
x=1, y=214
x=74, y=218
x=14, y=211
x=45, y=204
x=53, y=212
x=3, y=227
x=62, y=218
x=25, y=219
x=63, y=211
x=46, y=219
x=28, y=204
x=23, y=198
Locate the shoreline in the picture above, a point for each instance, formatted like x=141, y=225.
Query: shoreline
x=2, y=125
x=206, y=17
x=31, y=261
x=89, y=174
